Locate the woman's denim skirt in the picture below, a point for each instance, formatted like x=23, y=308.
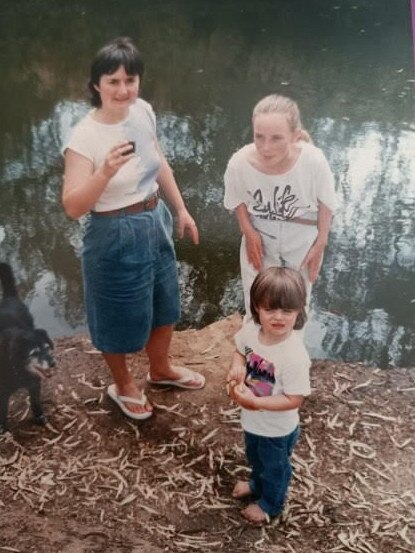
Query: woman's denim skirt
x=130, y=278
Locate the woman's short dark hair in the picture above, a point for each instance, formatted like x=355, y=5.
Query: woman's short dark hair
x=279, y=288
x=120, y=51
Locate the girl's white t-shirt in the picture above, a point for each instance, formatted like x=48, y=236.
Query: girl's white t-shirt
x=282, y=368
x=136, y=180
x=269, y=198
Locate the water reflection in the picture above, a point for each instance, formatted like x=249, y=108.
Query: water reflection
x=368, y=279
x=363, y=303
x=212, y=65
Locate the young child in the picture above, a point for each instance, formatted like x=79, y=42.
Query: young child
x=282, y=191
x=269, y=378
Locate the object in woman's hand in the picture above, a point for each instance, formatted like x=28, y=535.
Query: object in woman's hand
x=131, y=150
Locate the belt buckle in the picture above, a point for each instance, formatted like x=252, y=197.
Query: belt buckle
x=149, y=203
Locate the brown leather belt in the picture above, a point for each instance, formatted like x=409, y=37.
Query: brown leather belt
x=302, y=221
x=147, y=205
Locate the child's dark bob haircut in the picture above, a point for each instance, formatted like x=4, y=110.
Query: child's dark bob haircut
x=120, y=51
x=279, y=288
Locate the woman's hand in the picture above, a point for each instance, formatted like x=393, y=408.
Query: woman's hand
x=313, y=260
x=254, y=248
x=187, y=225
x=83, y=183
x=118, y=156
x=243, y=396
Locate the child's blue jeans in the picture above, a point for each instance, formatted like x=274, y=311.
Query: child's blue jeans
x=271, y=469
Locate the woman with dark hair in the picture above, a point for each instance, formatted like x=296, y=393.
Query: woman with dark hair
x=114, y=169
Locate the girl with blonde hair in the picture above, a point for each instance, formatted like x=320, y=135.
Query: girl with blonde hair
x=281, y=189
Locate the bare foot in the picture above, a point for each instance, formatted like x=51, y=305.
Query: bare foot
x=241, y=490
x=253, y=513
x=181, y=377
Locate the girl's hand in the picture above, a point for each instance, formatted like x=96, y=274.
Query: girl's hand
x=230, y=385
x=237, y=373
x=254, y=248
x=187, y=225
x=118, y=156
x=244, y=396
x=313, y=260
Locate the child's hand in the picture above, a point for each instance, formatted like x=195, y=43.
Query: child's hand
x=237, y=373
x=230, y=385
x=243, y=396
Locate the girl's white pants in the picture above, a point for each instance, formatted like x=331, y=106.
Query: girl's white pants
x=285, y=244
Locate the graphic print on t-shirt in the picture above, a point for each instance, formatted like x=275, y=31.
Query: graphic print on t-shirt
x=260, y=374
x=282, y=207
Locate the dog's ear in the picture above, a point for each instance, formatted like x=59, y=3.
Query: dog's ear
x=43, y=337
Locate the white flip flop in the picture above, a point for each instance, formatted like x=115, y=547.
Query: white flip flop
x=122, y=400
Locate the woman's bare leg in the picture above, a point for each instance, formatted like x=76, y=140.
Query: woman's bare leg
x=117, y=362
x=157, y=348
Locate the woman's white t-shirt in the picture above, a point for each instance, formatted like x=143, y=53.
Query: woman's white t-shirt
x=136, y=180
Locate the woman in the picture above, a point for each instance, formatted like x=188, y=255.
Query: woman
x=114, y=169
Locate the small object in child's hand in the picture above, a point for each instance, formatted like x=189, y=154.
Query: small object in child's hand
x=131, y=150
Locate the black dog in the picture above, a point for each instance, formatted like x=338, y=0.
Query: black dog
x=25, y=351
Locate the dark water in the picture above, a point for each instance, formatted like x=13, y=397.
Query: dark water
x=348, y=64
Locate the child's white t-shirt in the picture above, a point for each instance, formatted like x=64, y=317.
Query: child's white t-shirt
x=281, y=368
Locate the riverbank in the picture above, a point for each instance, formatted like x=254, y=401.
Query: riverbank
x=92, y=481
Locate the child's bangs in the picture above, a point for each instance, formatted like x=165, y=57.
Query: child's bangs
x=286, y=296
x=281, y=299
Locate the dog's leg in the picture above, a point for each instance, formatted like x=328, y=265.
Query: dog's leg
x=34, y=394
x=4, y=408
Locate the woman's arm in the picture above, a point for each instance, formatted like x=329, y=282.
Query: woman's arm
x=168, y=185
x=253, y=240
x=314, y=257
x=82, y=185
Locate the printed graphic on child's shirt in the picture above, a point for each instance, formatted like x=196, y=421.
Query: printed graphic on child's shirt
x=260, y=374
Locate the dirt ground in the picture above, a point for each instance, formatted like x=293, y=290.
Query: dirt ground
x=93, y=481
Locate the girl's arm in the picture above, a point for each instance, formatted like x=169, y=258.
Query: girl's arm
x=237, y=370
x=254, y=247
x=283, y=402
x=83, y=185
x=167, y=182
x=314, y=257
